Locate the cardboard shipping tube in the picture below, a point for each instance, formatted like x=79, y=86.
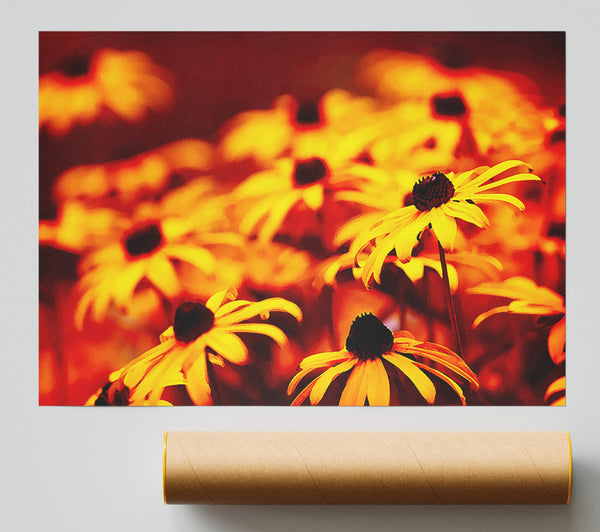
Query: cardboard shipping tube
x=367, y=467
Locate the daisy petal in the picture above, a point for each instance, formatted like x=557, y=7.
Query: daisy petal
x=466, y=211
x=354, y=227
x=324, y=359
x=444, y=228
x=168, y=334
x=125, y=282
x=160, y=375
x=296, y=380
x=263, y=309
x=82, y=308
x=375, y=261
x=378, y=384
x=229, y=346
x=443, y=356
x=101, y=302
x=326, y=378
x=265, y=329
x=215, y=301
x=201, y=258
x=495, y=171
x=446, y=379
x=276, y=217
x=421, y=381
x=485, y=315
x=506, y=198
x=301, y=397
x=556, y=342
x=254, y=215
x=355, y=391
x=133, y=372
x=228, y=308
x=161, y=274
x=507, y=180
x=407, y=240
x=464, y=177
x=196, y=380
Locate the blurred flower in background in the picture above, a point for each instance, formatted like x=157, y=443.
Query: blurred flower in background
x=126, y=83
x=142, y=176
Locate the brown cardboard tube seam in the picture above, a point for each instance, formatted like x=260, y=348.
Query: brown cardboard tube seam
x=367, y=467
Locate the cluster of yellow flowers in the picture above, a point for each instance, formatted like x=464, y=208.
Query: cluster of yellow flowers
x=356, y=216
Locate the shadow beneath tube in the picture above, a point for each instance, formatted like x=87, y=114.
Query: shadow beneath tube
x=382, y=518
x=582, y=514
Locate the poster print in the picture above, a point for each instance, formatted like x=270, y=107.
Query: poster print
x=302, y=218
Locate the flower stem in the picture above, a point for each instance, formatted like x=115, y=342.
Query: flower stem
x=450, y=302
x=214, y=383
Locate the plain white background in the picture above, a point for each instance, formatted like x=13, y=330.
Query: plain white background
x=77, y=469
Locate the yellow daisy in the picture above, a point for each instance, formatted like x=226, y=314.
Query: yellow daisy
x=293, y=124
x=123, y=82
x=146, y=251
x=439, y=200
x=201, y=335
x=79, y=227
x=373, y=353
x=528, y=298
x=124, y=181
x=494, y=113
x=410, y=137
x=309, y=183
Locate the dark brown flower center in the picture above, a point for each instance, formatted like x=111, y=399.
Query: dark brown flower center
x=113, y=394
x=432, y=191
x=558, y=135
x=308, y=113
x=309, y=171
x=448, y=106
x=191, y=321
x=77, y=66
x=143, y=240
x=369, y=338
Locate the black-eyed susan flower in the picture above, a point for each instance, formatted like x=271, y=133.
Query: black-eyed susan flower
x=528, y=298
x=495, y=113
x=309, y=183
x=557, y=389
x=292, y=124
x=126, y=83
x=125, y=181
x=146, y=250
x=438, y=201
x=79, y=227
x=201, y=335
x=372, y=353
